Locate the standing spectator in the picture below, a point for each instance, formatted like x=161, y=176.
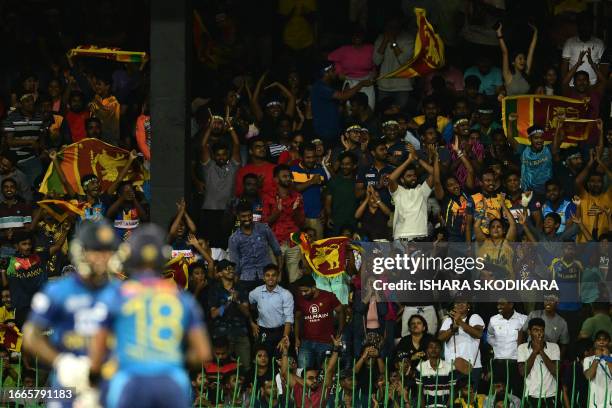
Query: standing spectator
x=461, y=332
x=488, y=203
x=326, y=118
x=362, y=113
x=414, y=345
x=76, y=115
x=354, y=62
x=598, y=370
x=229, y=311
x=575, y=47
x=284, y=212
x=340, y=203
x=556, y=330
x=538, y=363
x=567, y=272
x=107, y=108
x=593, y=199
x=434, y=377
x=410, y=217
x=250, y=195
x=392, y=49
x=490, y=76
x=516, y=82
x=503, y=334
x=218, y=174
x=374, y=215
x=310, y=392
x=315, y=311
x=258, y=166
x=274, y=306
x=249, y=247
x=308, y=179
x=376, y=174
x=583, y=89
x=599, y=321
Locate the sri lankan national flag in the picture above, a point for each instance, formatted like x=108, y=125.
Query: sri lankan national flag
x=546, y=111
x=326, y=257
x=60, y=209
x=428, y=51
x=113, y=54
x=90, y=156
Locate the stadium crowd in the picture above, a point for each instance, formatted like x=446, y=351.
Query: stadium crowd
x=292, y=131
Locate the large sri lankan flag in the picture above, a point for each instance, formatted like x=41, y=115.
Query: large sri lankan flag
x=546, y=111
x=326, y=257
x=90, y=156
x=428, y=51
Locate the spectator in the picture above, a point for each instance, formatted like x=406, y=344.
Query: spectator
x=490, y=76
x=250, y=195
x=502, y=335
x=354, y=62
x=597, y=369
x=410, y=217
x=292, y=157
x=340, y=204
x=107, y=108
x=309, y=180
x=558, y=204
x=8, y=169
x=258, y=166
x=516, y=82
x=391, y=50
x=127, y=212
x=538, y=363
x=461, y=332
x=76, y=115
x=593, y=198
x=274, y=308
x=600, y=321
x=229, y=310
x=434, y=377
x=218, y=174
x=575, y=48
x=374, y=216
x=315, y=311
x=431, y=115
x=363, y=114
x=284, y=212
x=249, y=247
x=374, y=175
x=414, y=346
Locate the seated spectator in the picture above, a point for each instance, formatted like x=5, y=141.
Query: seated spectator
x=489, y=76
x=8, y=169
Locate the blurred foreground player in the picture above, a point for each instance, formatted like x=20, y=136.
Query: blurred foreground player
x=151, y=320
x=69, y=306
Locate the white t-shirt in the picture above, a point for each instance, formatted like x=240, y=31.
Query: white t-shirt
x=598, y=384
x=502, y=335
x=462, y=344
x=539, y=370
x=571, y=51
x=410, y=216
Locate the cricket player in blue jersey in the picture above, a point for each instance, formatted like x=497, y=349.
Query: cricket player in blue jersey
x=69, y=308
x=152, y=321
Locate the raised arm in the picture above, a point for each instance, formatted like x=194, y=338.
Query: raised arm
x=393, y=177
x=532, y=46
x=58, y=167
x=347, y=94
x=506, y=73
x=124, y=171
x=254, y=102
x=290, y=109
x=205, y=153
x=511, y=234
x=567, y=79
x=557, y=138
x=235, y=141
x=581, y=177
x=601, y=79
x=180, y=206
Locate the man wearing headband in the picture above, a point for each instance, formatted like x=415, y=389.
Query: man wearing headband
x=325, y=103
x=351, y=141
x=485, y=125
x=536, y=159
x=97, y=200
x=396, y=148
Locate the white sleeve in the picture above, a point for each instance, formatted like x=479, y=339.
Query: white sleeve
x=425, y=189
x=522, y=353
x=598, y=51
x=476, y=320
x=446, y=324
x=553, y=352
x=567, y=50
x=491, y=333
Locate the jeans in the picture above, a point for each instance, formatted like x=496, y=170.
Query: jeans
x=312, y=353
x=240, y=346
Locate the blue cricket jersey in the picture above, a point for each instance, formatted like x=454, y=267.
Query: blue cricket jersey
x=70, y=309
x=150, y=318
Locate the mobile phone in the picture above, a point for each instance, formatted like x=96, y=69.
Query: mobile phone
x=496, y=25
x=393, y=45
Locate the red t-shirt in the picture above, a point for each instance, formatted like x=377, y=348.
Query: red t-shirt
x=76, y=123
x=266, y=170
x=311, y=399
x=318, y=314
x=289, y=221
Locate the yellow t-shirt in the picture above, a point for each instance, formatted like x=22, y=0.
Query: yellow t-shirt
x=493, y=209
x=298, y=32
x=587, y=200
x=501, y=255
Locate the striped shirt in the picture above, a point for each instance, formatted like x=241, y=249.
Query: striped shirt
x=436, y=383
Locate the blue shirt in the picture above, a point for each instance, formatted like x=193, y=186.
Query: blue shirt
x=325, y=113
x=489, y=82
x=250, y=252
x=536, y=168
x=150, y=318
x=70, y=309
x=372, y=177
x=568, y=277
x=275, y=307
x=312, y=195
x=565, y=211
